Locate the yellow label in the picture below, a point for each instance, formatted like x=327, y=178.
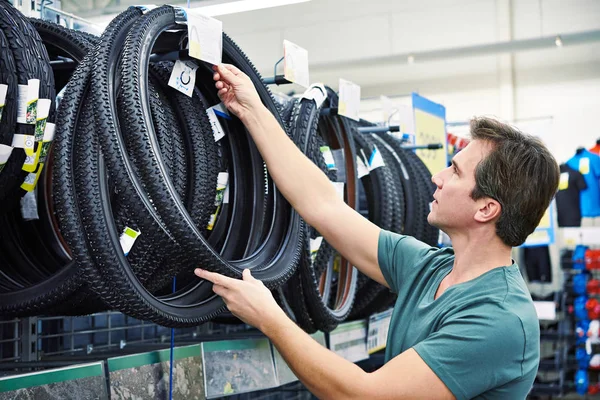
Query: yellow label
x=31, y=162
x=430, y=129
x=31, y=179
x=584, y=166
x=337, y=263
x=195, y=50
x=563, y=184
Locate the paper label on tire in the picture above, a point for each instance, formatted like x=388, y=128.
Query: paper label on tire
x=26, y=142
x=349, y=100
x=339, y=189
x=218, y=132
x=47, y=141
x=32, y=178
x=183, y=77
x=205, y=37
x=128, y=238
x=3, y=90
x=42, y=116
x=328, y=156
x=361, y=167
x=295, y=63
x=315, y=245
x=375, y=160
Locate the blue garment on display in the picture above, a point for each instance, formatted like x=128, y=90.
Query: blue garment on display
x=588, y=164
x=579, y=257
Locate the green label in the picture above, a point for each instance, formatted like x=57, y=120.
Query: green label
x=44, y=151
x=40, y=127
x=31, y=112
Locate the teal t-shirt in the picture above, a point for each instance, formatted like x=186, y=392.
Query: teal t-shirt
x=480, y=337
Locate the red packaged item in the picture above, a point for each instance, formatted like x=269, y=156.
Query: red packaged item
x=592, y=259
x=593, y=308
x=593, y=286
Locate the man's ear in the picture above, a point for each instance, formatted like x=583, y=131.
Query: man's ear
x=489, y=210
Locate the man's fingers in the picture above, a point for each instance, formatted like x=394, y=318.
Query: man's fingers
x=219, y=85
x=215, y=278
x=235, y=70
x=247, y=276
x=228, y=73
x=220, y=290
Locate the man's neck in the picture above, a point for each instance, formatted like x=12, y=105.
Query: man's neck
x=477, y=253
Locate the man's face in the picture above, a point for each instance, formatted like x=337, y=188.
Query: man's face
x=453, y=208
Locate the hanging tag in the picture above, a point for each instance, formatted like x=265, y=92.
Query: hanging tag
x=32, y=178
x=584, y=166
x=339, y=189
x=218, y=132
x=128, y=238
x=29, y=208
x=3, y=90
x=183, y=77
x=295, y=63
x=221, y=111
x=31, y=161
x=205, y=37
x=563, y=183
x=42, y=115
x=5, y=152
x=26, y=142
x=222, y=184
x=317, y=93
x=349, y=100
x=361, y=168
x=27, y=102
x=315, y=245
x=47, y=141
x=326, y=151
x=375, y=161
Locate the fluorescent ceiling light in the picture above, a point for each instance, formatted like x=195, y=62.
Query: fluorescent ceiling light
x=233, y=7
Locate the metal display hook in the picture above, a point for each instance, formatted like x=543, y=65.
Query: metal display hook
x=276, y=79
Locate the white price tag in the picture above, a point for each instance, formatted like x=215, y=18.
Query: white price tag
x=376, y=160
x=49, y=132
x=546, y=310
x=349, y=340
x=26, y=142
x=183, y=77
x=205, y=35
x=22, y=104
x=27, y=102
x=328, y=156
x=217, y=129
x=379, y=325
x=222, y=180
x=226, y=195
x=315, y=245
x=361, y=167
x=349, y=100
x=128, y=238
x=295, y=63
x=3, y=90
x=339, y=189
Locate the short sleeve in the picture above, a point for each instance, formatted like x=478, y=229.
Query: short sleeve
x=476, y=351
x=398, y=256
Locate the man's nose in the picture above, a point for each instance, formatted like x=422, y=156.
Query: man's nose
x=437, y=180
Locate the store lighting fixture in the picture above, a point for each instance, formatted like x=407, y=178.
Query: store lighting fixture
x=558, y=41
x=410, y=59
x=213, y=9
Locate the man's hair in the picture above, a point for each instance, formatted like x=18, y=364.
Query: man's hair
x=519, y=173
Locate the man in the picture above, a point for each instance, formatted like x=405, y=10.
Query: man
x=464, y=325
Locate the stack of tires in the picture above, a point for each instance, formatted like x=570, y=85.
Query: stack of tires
x=137, y=190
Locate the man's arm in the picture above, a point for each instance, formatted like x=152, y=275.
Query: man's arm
x=324, y=373
x=301, y=182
